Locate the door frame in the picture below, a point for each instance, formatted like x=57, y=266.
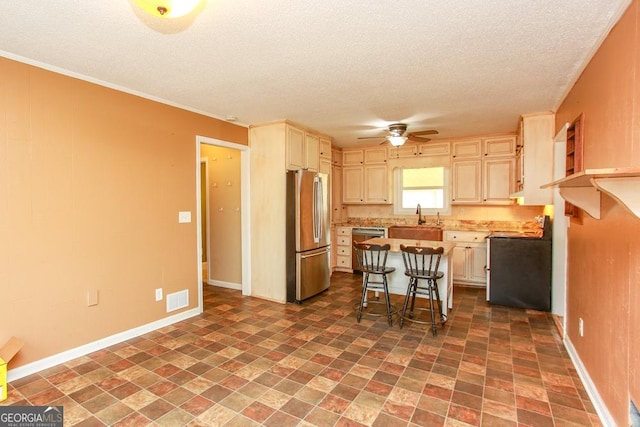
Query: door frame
x=245, y=210
x=559, y=231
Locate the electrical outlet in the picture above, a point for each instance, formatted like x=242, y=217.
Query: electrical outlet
x=159, y=294
x=581, y=327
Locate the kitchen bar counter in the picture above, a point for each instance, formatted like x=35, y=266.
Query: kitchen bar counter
x=395, y=244
x=398, y=282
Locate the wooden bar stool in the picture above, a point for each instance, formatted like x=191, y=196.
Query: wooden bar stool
x=372, y=260
x=421, y=266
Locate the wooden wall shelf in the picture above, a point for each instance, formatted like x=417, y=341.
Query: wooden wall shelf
x=583, y=189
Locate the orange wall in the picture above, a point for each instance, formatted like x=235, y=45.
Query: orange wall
x=91, y=183
x=604, y=255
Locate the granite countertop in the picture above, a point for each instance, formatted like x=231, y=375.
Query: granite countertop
x=448, y=225
x=395, y=244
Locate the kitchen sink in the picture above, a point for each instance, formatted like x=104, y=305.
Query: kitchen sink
x=418, y=232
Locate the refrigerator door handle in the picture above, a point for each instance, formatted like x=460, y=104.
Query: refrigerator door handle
x=314, y=254
x=317, y=201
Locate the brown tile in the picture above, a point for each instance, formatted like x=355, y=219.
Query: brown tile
x=197, y=405
x=246, y=361
x=156, y=409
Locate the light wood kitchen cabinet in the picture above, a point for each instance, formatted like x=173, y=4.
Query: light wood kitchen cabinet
x=483, y=171
x=325, y=149
x=376, y=184
x=365, y=176
x=336, y=157
x=312, y=152
x=469, y=149
x=302, y=149
x=352, y=157
x=534, y=159
x=403, y=152
x=365, y=184
x=295, y=141
x=337, y=210
x=343, y=249
x=499, y=146
x=469, y=257
x=426, y=149
x=375, y=156
x=466, y=182
x=498, y=180
x=434, y=149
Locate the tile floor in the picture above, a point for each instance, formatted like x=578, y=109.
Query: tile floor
x=250, y=362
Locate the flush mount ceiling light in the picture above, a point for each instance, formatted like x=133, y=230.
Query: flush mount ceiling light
x=168, y=8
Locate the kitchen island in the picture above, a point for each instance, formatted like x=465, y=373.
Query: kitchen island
x=398, y=282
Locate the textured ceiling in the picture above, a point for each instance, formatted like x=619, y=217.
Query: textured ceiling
x=345, y=68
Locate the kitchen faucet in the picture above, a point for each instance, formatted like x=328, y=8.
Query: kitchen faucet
x=438, y=219
x=419, y=212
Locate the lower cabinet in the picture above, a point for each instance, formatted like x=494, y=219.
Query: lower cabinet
x=342, y=249
x=469, y=257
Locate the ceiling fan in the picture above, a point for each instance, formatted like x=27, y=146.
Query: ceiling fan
x=397, y=135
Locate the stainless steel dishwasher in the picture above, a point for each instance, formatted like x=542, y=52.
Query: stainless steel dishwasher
x=359, y=234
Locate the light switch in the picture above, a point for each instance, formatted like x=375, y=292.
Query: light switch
x=184, y=217
x=92, y=297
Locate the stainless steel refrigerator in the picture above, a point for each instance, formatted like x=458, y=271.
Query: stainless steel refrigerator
x=308, y=235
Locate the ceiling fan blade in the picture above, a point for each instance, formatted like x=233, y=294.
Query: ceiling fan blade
x=418, y=139
x=424, y=132
x=371, y=137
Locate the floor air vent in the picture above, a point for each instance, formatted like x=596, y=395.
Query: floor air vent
x=177, y=300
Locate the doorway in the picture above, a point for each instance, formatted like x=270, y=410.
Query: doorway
x=205, y=211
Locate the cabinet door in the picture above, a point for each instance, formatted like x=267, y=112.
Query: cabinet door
x=466, y=149
x=352, y=185
x=336, y=157
x=375, y=156
x=352, y=158
x=477, y=264
x=499, y=180
x=501, y=146
x=466, y=182
x=312, y=152
x=434, y=149
x=325, y=148
x=460, y=264
x=376, y=184
x=325, y=166
x=336, y=194
x=403, y=152
x=295, y=148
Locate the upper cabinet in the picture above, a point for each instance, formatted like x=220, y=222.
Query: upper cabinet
x=303, y=148
x=426, y=149
x=325, y=148
x=483, y=170
x=534, y=158
x=365, y=176
x=471, y=149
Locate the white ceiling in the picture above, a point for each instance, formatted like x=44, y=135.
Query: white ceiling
x=347, y=68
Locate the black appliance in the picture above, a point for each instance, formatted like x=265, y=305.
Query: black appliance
x=519, y=268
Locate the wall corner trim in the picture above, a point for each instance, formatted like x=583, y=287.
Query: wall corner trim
x=83, y=350
x=600, y=407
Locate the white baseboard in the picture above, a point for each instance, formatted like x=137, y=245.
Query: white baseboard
x=83, y=350
x=229, y=285
x=601, y=409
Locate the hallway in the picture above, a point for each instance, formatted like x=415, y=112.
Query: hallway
x=251, y=362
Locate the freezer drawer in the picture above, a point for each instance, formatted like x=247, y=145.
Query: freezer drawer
x=313, y=272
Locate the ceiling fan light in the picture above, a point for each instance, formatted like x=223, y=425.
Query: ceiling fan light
x=168, y=8
x=397, y=141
